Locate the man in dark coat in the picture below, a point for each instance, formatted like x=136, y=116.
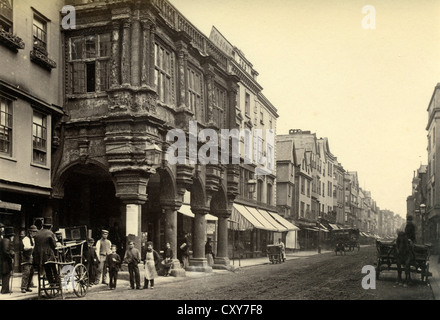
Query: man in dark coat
x=91, y=261
x=410, y=229
x=44, y=251
x=7, y=259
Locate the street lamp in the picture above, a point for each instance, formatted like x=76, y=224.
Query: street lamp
x=423, y=212
x=153, y=153
x=251, y=184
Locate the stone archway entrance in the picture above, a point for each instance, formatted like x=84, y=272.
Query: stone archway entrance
x=90, y=199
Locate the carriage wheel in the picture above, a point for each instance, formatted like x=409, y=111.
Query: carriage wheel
x=81, y=280
x=50, y=290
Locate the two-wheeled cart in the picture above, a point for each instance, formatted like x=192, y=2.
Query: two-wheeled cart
x=71, y=274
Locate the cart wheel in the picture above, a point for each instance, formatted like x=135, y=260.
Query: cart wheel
x=81, y=280
x=50, y=290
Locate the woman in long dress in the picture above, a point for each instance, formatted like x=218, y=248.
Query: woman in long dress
x=151, y=261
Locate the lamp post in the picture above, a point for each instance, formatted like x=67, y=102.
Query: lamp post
x=422, y=213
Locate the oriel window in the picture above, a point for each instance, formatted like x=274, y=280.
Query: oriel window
x=5, y=126
x=90, y=63
x=163, y=73
x=39, y=138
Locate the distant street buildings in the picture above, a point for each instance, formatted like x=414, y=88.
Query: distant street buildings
x=84, y=117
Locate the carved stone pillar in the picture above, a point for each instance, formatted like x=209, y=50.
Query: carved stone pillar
x=146, y=52
x=135, y=53
x=209, y=80
x=170, y=230
x=199, y=262
x=151, y=55
x=125, y=59
x=221, y=261
x=115, y=75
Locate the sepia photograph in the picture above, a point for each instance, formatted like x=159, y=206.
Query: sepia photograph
x=219, y=158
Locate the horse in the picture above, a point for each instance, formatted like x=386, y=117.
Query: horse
x=404, y=257
x=340, y=247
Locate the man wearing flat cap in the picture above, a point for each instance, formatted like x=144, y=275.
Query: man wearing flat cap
x=27, y=259
x=44, y=251
x=103, y=248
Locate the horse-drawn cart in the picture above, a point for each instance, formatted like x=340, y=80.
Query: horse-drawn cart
x=69, y=272
x=345, y=239
x=387, y=259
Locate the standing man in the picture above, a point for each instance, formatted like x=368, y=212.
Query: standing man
x=410, y=229
x=27, y=259
x=283, y=249
x=44, y=251
x=7, y=258
x=103, y=248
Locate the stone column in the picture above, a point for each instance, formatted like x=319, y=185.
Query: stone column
x=125, y=59
x=171, y=237
x=199, y=262
x=133, y=222
x=115, y=75
x=135, y=50
x=221, y=260
x=146, y=52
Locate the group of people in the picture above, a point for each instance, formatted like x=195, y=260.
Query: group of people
x=38, y=250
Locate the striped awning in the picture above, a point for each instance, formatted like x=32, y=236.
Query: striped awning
x=286, y=223
x=278, y=226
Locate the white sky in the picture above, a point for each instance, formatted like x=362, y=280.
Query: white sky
x=367, y=91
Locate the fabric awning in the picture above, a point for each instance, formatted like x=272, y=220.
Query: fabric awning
x=272, y=221
x=290, y=226
x=250, y=218
x=334, y=226
x=185, y=209
x=264, y=221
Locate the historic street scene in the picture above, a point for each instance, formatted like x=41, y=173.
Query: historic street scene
x=210, y=150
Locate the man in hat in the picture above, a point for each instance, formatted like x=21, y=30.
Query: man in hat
x=91, y=261
x=7, y=258
x=27, y=259
x=103, y=248
x=44, y=251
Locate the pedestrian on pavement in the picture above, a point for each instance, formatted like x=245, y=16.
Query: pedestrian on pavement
x=151, y=261
x=91, y=261
x=283, y=249
x=133, y=258
x=103, y=248
x=7, y=255
x=184, y=249
x=27, y=251
x=113, y=264
x=2, y=230
x=44, y=251
x=167, y=259
x=208, y=252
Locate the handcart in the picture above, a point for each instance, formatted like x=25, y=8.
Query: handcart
x=274, y=251
x=71, y=274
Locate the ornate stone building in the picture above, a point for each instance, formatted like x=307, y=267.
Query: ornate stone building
x=134, y=70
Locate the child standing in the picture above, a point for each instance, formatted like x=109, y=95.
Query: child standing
x=152, y=259
x=113, y=264
x=132, y=258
